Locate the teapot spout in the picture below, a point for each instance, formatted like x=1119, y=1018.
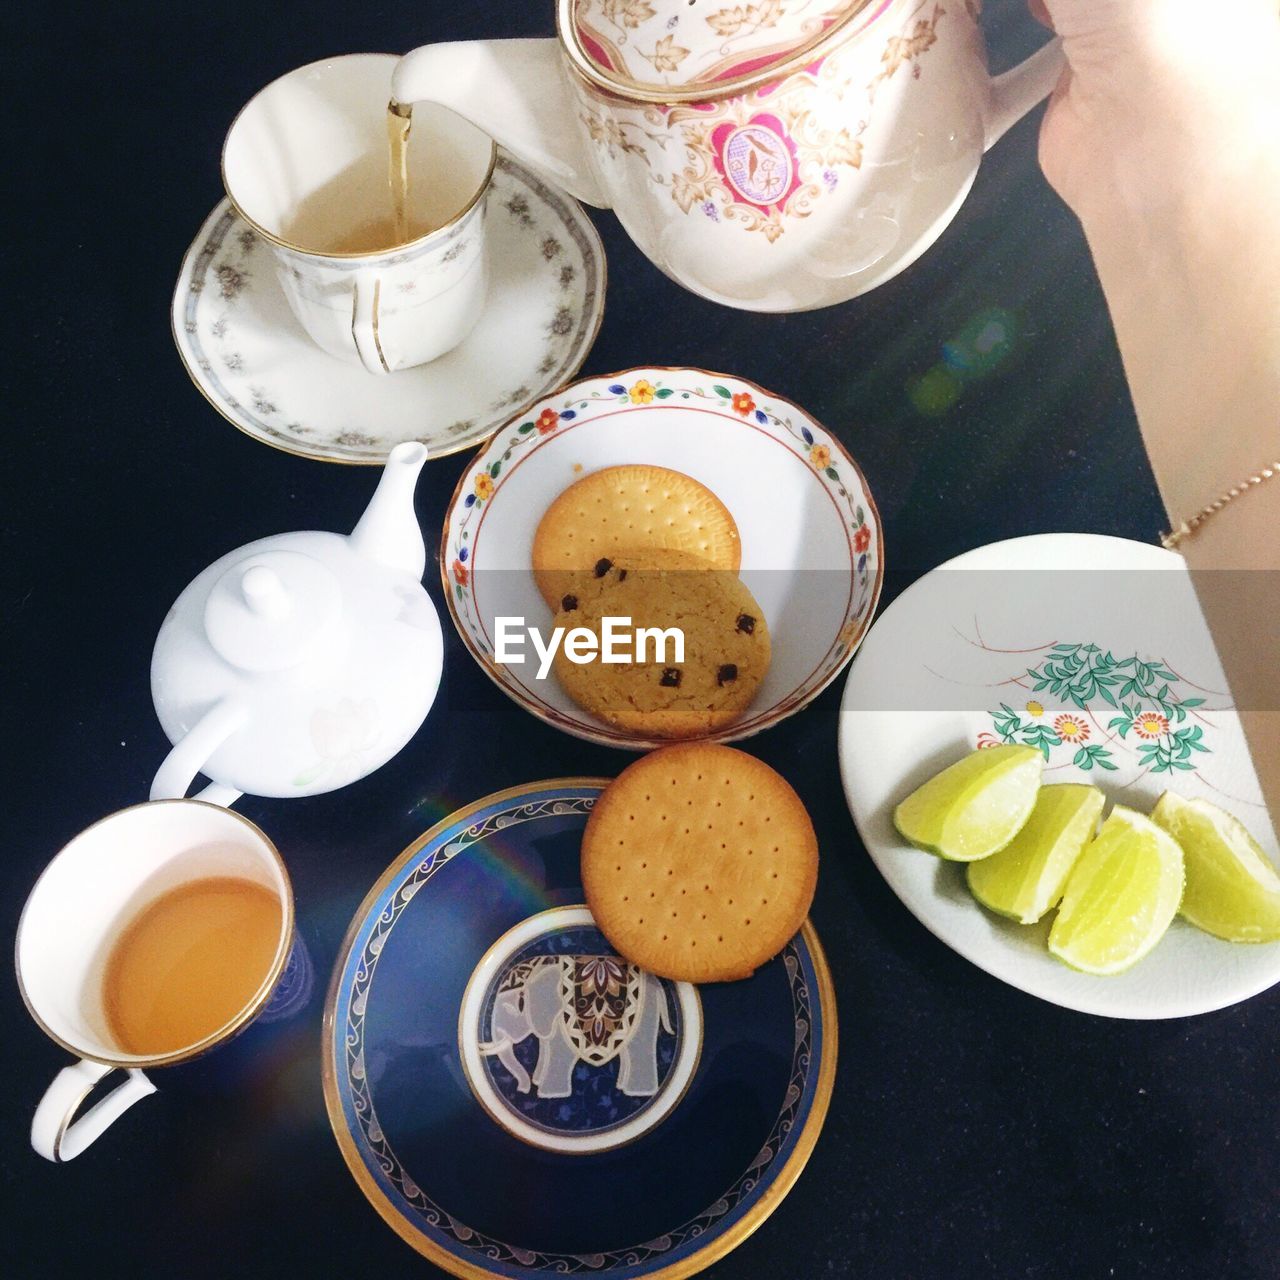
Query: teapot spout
x=517, y=91
x=389, y=531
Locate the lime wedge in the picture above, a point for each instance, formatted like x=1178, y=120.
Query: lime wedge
x=975, y=806
x=1233, y=891
x=1120, y=897
x=1027, y=876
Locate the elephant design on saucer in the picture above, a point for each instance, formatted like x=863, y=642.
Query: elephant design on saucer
x=570, y=1047
x=589, y=1009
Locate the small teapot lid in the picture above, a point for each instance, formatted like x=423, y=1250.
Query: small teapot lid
x=272, y=610
x=680, y=50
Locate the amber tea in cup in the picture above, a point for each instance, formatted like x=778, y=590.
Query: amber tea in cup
x=188, y=963
x=323, y=222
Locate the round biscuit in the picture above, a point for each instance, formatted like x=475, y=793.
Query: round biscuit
x=637, y=507
x=699, y=863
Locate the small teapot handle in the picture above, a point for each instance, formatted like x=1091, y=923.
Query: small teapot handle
x=191, y=751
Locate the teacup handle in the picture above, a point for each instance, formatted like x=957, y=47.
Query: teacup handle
x=366, y=293
x=189, y=753
x=1015, y=92
x=55, y=1132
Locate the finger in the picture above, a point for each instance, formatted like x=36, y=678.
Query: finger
x=1040, y=13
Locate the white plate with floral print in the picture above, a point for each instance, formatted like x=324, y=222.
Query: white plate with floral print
x=812, y=549
x=1094, y=650
x=249, y=356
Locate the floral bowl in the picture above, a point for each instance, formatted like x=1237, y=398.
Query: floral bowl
x=812, y=547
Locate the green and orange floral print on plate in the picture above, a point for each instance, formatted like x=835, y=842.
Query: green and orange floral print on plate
x=1116, y=706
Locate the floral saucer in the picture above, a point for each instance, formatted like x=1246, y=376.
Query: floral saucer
x=516, y=1100
x=1093, y=650
x=249, y=356
x=812, y=551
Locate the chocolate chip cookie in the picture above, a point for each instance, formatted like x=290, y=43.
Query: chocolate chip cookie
x=662, y=693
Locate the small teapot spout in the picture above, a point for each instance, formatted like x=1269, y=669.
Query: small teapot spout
x=517, y=91
x=389, y=531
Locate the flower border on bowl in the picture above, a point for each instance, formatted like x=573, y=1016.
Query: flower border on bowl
x=732, y=398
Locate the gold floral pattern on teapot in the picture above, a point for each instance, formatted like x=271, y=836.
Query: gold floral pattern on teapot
x=764, y=156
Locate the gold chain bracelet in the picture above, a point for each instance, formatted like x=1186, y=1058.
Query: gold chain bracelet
x=1188, y=527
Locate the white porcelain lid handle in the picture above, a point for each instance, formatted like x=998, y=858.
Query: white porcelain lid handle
x=272, y=610
x=265, y=594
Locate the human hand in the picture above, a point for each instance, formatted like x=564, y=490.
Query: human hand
x=1156, y=91
x=1162, y=136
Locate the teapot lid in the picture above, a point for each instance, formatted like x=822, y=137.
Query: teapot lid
x=681, y=50
x=272, y=610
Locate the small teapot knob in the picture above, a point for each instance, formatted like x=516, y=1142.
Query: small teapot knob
x=265, y=594
x=273, y=610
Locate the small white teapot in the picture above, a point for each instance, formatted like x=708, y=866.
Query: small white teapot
x=299, y=663
x=774, y=155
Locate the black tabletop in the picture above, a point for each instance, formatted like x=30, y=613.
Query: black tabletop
x=974, y=1131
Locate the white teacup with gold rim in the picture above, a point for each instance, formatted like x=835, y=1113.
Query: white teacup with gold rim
x=306, y=165
x=75, y=983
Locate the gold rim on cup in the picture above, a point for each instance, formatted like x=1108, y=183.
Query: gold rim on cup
x=223, y=1033
x=281, y=242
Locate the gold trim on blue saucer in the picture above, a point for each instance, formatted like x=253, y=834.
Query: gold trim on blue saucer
x=716, y=1247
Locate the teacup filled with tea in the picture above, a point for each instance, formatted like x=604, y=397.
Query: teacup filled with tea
x=374, y=210
x=156, y=935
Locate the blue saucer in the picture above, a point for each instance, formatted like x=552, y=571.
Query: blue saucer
x=517, y=1100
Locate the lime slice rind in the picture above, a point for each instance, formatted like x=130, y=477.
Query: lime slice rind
x=1121, y=896
x=974, y=807
x=1233, y=890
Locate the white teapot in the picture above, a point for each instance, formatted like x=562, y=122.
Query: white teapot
x=774, y=155
x=299, y=663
